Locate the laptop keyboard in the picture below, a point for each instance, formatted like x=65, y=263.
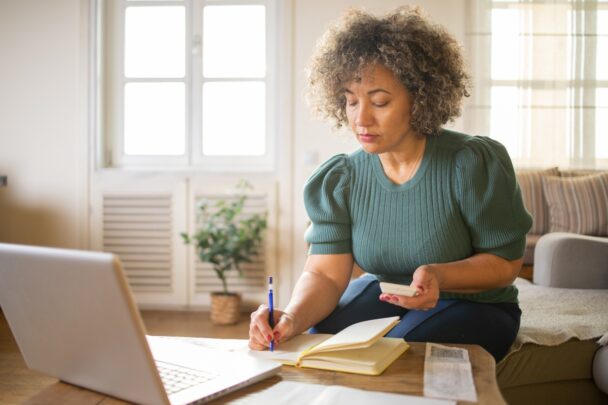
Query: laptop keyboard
x=176, y=378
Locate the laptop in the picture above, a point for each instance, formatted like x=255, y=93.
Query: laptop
x=74, y=318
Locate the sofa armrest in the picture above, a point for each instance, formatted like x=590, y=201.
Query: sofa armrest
x=600, y=369
x=567, y=260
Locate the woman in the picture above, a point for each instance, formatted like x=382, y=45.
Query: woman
x=417, y=205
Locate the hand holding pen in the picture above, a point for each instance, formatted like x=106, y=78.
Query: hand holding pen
x=269, y=326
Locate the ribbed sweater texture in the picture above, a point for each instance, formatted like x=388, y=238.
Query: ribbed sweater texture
x=463, y=199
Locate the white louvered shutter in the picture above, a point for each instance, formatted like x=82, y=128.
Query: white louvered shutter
x=140, y=222
x=139, y=229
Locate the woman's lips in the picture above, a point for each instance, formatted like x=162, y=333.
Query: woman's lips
x=367, y=138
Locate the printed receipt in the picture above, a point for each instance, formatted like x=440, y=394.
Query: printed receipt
x=448, y=374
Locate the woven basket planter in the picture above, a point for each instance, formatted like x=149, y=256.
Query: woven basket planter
x=225, y=308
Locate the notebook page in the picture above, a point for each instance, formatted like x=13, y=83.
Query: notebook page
x=290, y=350
x=361, y=334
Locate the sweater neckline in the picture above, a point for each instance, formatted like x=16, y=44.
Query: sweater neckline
x=388, y=183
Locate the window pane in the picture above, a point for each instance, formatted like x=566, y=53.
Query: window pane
x=234, y=41
x=547, y=42
x=506, y=51
x=155, y=41
x=154, y=119
x=505, y=119
x=234, y=118
x=601, y=124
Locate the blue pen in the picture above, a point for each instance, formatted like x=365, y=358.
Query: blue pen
x=270, y=310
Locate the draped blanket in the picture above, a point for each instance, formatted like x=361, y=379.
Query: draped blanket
x=551, y=316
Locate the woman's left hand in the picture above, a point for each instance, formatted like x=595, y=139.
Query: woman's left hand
x=426, y=283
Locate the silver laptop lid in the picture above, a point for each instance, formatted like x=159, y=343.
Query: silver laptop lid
x=66, y=309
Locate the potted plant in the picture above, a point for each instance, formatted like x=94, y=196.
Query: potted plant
x=226, y=238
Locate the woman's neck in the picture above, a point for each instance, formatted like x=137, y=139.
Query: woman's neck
x=401, y=166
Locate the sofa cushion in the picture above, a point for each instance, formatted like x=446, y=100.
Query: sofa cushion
x=534, y=364
x=578, y=204
x=551, y=374
x=530, y=183
x=577, y=172
x=583, y=392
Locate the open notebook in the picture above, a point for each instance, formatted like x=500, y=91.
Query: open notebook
x=359, y=348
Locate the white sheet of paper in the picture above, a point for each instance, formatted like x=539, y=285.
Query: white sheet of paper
x=448, y=374
x=229, y=345
x=296, y=393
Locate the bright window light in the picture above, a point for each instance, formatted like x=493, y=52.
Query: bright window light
x=155, y=42
x=234, y=118
x=505, y=119
x=154, y=122
x=505, y=44
x=234, y=41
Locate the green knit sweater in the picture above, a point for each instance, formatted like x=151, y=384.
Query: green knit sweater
x=464, y=199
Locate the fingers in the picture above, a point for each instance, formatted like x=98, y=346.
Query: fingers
x=422, y=301
x=426, y=283
x=284, y=328
x=260, y=332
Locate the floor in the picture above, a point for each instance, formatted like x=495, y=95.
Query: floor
x=18, y=383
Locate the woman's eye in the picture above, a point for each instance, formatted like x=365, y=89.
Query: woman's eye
x=381, y=104
x=351, y=103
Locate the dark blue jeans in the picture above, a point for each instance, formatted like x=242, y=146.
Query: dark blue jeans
x=492, y=326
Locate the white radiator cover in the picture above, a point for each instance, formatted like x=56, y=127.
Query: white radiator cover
x=141, y=222
x=139, y=229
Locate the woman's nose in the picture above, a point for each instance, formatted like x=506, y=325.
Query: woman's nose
x=364, y=117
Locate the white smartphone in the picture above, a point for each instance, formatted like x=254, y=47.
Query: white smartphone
x=398, y=289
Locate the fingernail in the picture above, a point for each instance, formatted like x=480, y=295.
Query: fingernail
x=394, y=299
x=277, y=336
x=269, y=338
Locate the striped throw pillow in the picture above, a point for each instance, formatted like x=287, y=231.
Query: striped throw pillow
x=530, y=183
x=578, y=204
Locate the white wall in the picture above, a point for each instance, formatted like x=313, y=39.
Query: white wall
x=312, y=137
x=42, y=123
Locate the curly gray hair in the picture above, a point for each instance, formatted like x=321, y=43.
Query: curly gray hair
x=422, y=56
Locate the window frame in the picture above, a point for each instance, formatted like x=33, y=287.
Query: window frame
x=112, y=81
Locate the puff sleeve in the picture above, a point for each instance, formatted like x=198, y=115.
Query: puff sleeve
x=490, y=199
x=326, y=201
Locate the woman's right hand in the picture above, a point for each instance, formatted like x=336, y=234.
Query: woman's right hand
x=260, y=332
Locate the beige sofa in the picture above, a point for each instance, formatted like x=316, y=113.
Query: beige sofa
x=561, y=352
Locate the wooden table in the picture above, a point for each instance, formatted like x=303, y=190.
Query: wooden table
x=404, y=376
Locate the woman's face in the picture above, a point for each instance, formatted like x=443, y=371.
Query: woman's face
x=378, y=110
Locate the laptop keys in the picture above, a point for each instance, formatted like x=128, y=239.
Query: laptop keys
x=176, y=378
